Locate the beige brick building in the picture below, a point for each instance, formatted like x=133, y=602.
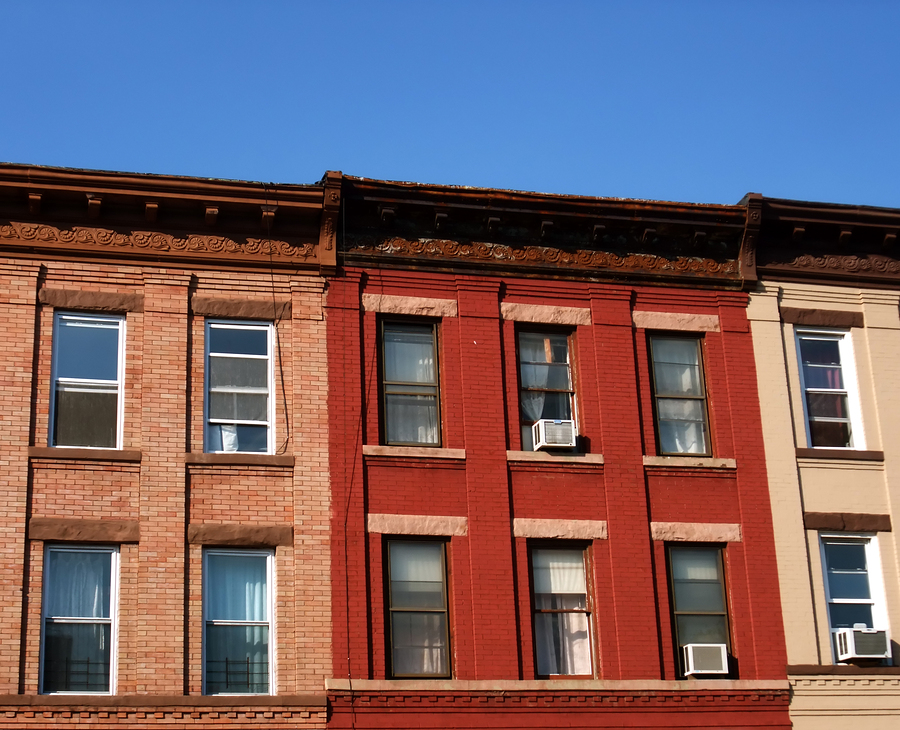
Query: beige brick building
x=825, y=318
x=163, y=456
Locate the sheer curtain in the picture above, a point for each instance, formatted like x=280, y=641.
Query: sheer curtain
x=682, y=420
x=534, y=374
x=410, y=385
x=562, y=636
x=419, y=638
x=77, y=654
x=237, y=654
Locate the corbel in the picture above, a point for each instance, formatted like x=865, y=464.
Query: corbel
x=845, y=237
x=492, y=224
x=546, y=228
x=440, y=219
x=34, y=203
x=386, y=214
x=698, y=239
x=798, y=234
x=648, y=236
x=890, y=240
x=212, y=213
x=94, y=202
x=331, y=207
x=598, y=232
x=268, y=215
x=749, y=242
x=151, y=211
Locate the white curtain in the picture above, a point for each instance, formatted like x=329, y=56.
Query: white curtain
x=533, y=352
x=562, y=639
x=410, y=385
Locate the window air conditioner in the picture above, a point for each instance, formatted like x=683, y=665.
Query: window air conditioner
x=553, y=433
x=859, y=643
x=705, y=659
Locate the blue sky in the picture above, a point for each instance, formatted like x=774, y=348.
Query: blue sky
x=689, y=101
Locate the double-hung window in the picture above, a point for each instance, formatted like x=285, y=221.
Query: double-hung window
x=417, y=608
x=699, y=609
x=88, y=367
x=829, y=401
x=79, y=619
x=562, y=641
x=852, y=587
x=679, y=394
x=545, y=377
x=239, y=408
x=409, y=383
x=237, y=616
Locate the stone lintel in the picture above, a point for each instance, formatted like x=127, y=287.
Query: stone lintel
x=418, y=525
x=265, y=309
x=682, y=322
x=560, y=529
x=695, y=531
x=543, y=314
x=241, y=534
x=75, y=530
x=416, y=306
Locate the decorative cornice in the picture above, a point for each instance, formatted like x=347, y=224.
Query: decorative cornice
x=537, y=256
x=153, y=242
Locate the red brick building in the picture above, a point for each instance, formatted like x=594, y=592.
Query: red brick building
x=163, y=456
x=550, y=504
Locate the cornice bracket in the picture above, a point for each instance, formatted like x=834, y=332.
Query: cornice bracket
x=94, y=203
x=440, y=219
x=492, y=224
x=598, y=232
x=845, y=237
x=546, y=228
x=151, y=211
x=798, y=234
x=212, y=213
x=386, y=214
x=648, y=236
x=34, y=203
x=890, y=239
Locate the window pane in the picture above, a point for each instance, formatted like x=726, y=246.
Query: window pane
x=239, y=341
x=85, y=416
x=848, y=585
x=834, y=434
x=562, y=643
x=238, y=372
x=76, y=657
x=695, y=564
x=233, y=438
x=87, y=349
x=846, y=556
x=680, y=436
x=409, y=354
x=827, y=405
x=411, y=419
x=236, y=587
x=79, y=583
x=558, y=571
x=237, y=659
x=699, y=596
x=537, y=405
x=820, y=352
x=823, y=376
x=677, y=379
x=846, y=615
x=419, y=643
x=693, y=629
x=239, y=406
x=417, y=577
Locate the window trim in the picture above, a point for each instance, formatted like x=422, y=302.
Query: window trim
x=270, y=376
x=270, y=617
x=673, y=613
x=389, y=629
x=120, y=321
x=849, y=376
x=878, y=598
x=700, y=341
x=382, y=381
x=588, y=610
x=572, y=390
x=114, y=552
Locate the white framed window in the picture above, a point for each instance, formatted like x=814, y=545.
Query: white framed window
x=830, y=393
x=86, y=406
x=562, y=618
x=239, y=408
x=79, y=620
x=238, y=639
x=546, y=389
x=854, y=591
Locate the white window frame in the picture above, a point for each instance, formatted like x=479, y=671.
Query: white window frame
x=849, y=376
x=113, y=619
x=270, y=379
x=270, y=615
x=119, y=383
x=877, y=599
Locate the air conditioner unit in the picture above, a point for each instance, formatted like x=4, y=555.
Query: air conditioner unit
x=705, y=659
x=858, y=643
x=553, y=433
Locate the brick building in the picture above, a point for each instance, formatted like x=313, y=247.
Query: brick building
x=826, y=328
x=550, y=502
x=164, y=454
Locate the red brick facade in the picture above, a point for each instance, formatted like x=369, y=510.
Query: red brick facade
x=481, y=478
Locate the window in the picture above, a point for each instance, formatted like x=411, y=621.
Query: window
x=826, y=372
x=546, y=381
x=699, y=612
x=239, y=410
x=562, y=643
x=410, y=384
x=417, y=604
x=680, y=395
x=853, y=596
x=79, y=620
x=237, y=615
x=88, y=364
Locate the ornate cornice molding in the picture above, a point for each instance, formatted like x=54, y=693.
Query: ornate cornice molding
x=154, y=242
x=537, y=256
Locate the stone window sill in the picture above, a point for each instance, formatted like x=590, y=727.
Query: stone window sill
x=73, y=454
x=690, y=462
x=286, y=460
x=421, y=452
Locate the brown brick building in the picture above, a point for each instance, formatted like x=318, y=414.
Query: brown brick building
x=164, y=450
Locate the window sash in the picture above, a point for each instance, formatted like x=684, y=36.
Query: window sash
x=873, y=612
x=235, y=432
x=410, y=384
x=418, y=630
x=238, y=641
x=680, y=405
x=87, y=411
x=546, y=385
x=78, y=651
